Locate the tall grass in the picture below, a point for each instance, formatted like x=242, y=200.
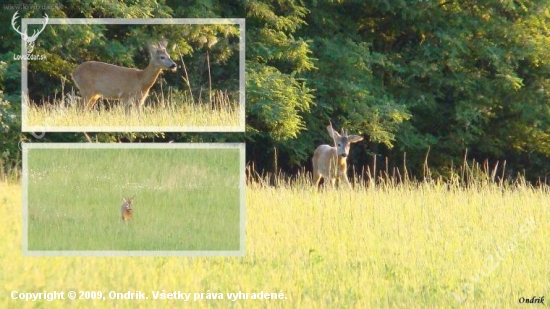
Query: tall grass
x=467, y=174
x=10, y=170
x=173, y=111
x=393, y=245
x=407, y=245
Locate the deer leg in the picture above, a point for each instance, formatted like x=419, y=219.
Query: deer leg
x=140, y=104
x=316, y=175
x=128, y=108
x=84, y=100
x=90, y=104
x=90, y=101
x=344, y=178
x=316, y=179
x=83, y=103
x=127, y=104
x=333, y=182
x=332, y=178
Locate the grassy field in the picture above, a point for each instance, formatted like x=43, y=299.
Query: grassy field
x=408, y=246
x=222, y=115
x=185, y=199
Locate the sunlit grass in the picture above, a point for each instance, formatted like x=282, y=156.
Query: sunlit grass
x=170, y=113
x=390, y=246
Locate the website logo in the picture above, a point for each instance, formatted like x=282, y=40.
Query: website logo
x=29, y=40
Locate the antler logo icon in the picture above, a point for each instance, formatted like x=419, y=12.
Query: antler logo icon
x=29, y=39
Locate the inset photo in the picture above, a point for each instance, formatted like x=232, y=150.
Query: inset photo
x=133, y=199
x=132, y=75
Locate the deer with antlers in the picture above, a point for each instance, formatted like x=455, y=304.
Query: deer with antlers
x=29, y=39
x=330, y=161
x=129, y=85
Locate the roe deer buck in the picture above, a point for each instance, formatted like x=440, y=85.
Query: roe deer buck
x=330, y=162
x=126, y=209
x=131, y=86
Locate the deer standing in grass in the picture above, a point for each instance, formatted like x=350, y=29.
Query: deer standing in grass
x=129, y=85
x=126, y=210
x=330, y=162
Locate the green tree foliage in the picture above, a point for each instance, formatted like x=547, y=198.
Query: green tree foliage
x=276, y=98
x=473, y=75
x=409, y=75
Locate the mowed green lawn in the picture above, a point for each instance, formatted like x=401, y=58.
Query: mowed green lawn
x=185, y=199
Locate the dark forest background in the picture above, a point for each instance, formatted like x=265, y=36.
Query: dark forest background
x=448, y=78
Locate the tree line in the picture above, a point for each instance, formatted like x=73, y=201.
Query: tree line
x=448, y=78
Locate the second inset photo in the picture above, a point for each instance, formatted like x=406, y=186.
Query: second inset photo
x=133, y=199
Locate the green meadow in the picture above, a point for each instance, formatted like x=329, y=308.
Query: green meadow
x=185, y=199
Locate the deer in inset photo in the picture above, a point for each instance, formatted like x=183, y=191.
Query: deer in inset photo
x=131, y=86
x=126, y=210
x=330, y=161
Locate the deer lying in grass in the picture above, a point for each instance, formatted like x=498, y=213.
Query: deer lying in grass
x=99, y=79
x=330, y=162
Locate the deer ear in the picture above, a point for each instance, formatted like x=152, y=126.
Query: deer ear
x=355, y=138
x=152, y=49
x=163, y=44
x=332, y=133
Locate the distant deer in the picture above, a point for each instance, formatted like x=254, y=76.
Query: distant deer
x=131, y=86
x=330, y=162
x=126, y=210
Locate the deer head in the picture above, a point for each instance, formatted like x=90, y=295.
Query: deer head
x=342, y=141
